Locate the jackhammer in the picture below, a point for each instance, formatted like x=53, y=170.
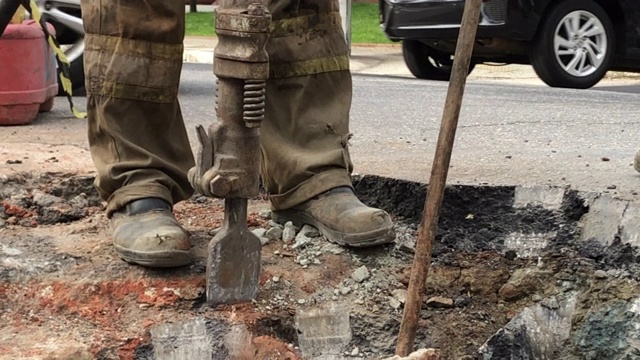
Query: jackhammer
x=228, y=158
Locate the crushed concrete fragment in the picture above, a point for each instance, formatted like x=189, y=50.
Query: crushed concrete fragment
x=43, y=199
x=361, y=274
x=302, y=240
x=600, y=274
x=289, y=233
x=394, y=303
x=272, y=224
x=400, y=295
x=310, y=231
x=265, y=214
x=80, y=201
x=259, y=232
x=345, y=290
x=274, y=234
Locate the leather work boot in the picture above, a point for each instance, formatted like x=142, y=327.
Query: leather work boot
x=636, y=161
x=342, y=219
x=146, y=233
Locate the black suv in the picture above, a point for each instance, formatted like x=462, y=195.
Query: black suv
x=570, y=43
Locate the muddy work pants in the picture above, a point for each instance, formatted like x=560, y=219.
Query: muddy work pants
x=138, y=140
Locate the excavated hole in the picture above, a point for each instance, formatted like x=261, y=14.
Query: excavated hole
x=493, y=263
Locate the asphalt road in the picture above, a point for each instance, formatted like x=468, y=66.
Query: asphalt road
x=508, y=134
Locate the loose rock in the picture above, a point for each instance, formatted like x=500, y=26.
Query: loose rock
x=310, y=231
x=302, y=241
x=440, y=302
x=273, y=224
x=394, y=303
x=265, y=214
x=43, y=199
x=522, y=283
x=600, y=274
x=274, y=234
x=462, y=301
x=289, y=232
x=361, y=274
x=257, y=232
x=80, y=202
x=400, y=295
x=345, y=290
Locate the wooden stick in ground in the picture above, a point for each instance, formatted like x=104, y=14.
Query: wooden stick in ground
x=439, y=171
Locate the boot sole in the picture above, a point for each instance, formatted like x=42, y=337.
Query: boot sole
x=360, y=240
x=156, y=259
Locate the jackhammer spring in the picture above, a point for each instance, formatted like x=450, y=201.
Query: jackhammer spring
x=254, y=102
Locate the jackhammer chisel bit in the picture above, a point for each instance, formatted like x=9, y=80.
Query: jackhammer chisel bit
x=228, y=159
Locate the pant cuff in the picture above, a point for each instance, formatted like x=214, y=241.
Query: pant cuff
x=129, y=193
x=312, y=187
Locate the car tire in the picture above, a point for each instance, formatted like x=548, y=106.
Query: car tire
x=76, y=68
x=427, y=63
x=559, y=47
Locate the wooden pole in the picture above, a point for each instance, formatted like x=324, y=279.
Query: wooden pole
x=439, y=171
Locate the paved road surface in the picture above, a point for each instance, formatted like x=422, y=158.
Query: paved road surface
x=509, y=134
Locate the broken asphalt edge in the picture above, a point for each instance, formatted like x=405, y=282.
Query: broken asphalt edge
x=603, y=217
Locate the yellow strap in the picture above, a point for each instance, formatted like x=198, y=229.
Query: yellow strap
x=63, y=62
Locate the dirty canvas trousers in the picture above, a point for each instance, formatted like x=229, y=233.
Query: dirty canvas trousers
x=138, y=141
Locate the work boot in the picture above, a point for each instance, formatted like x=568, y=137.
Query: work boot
x=146, y=233
x=342, y=219
x=636, y=161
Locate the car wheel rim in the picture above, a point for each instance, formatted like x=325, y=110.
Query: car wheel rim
x=580, y=43
x=65, y=16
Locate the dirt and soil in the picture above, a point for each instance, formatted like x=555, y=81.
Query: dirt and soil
x=65, y=294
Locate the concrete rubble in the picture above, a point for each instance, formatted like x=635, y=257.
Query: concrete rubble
x=487, y=295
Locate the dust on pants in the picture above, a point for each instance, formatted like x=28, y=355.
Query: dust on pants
x=137, y=137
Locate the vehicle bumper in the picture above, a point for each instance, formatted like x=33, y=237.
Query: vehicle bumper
x=440, y=19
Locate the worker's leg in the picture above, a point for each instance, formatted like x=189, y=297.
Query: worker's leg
x=133, y=59
x=306, y=163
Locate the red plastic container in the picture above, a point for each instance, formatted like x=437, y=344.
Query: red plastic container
x=28, y=76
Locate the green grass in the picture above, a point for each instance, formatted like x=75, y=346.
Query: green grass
x=364, y=24
x=199, y=24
